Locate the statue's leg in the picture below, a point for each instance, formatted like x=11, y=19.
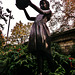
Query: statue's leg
x=51, y=63
x=40, y=65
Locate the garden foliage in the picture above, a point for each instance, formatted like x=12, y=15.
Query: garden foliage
x=16, y=60
x=2, y=41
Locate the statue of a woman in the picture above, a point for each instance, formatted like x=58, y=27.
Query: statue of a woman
x=39, y=40
x=39, y=35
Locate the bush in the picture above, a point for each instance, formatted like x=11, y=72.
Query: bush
x=73, y=51
x=2, y=41
x=16, y=60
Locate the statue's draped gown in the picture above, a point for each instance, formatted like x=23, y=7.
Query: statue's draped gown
x=39, y=39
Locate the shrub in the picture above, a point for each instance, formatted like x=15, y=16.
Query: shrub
x=1, y=39
x=73, y=51
x=18, y=61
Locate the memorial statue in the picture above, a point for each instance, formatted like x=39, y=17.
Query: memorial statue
x=39, y=40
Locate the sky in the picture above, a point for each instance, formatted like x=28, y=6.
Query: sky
x=17, y=14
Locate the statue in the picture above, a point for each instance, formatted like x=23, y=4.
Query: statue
x=39, y=40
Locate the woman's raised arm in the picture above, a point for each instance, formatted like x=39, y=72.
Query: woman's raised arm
x=27, y=15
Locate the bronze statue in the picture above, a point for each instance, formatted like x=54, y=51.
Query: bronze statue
x=39, y=40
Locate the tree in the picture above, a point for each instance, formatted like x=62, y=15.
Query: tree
x=2, y=41
x=69, y=17
x=69, y=6
x=58, y=15
x=20, y=32
x=2, y=15
x=63, y=16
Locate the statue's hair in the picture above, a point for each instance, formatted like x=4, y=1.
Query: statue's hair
x=46, y=3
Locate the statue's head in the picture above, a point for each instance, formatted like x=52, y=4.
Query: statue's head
x=44, y=5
